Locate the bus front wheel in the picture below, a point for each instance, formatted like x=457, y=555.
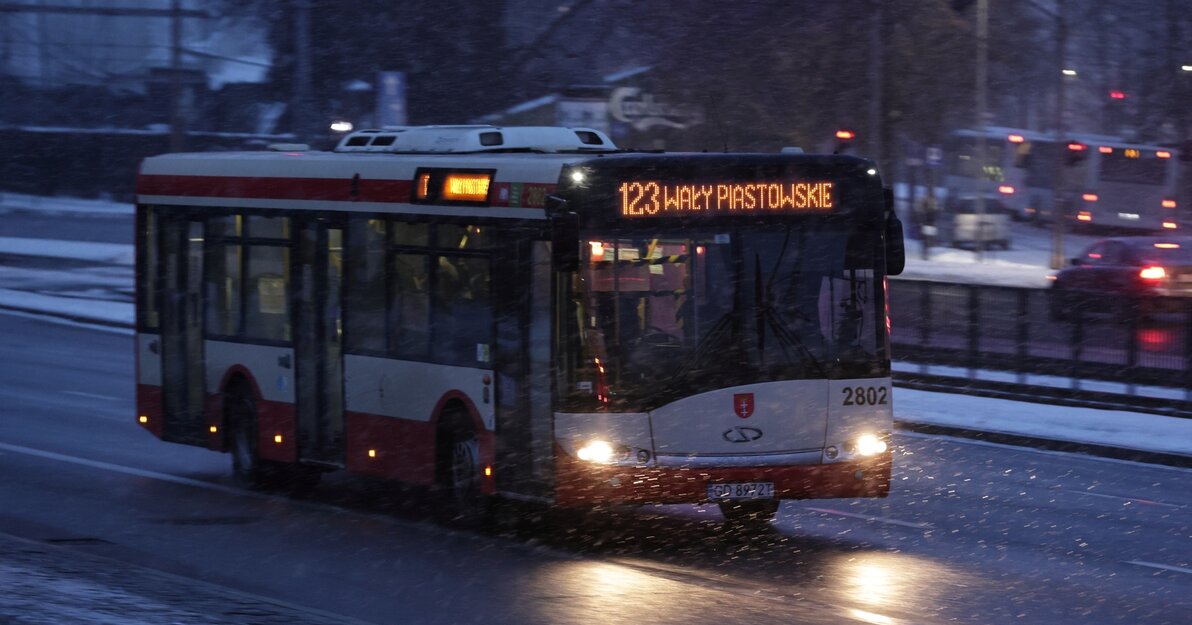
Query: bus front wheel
x=460, y=474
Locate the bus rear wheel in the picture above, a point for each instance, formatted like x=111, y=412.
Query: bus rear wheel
x=248, y=468
x=751, y=515
x=241, y=416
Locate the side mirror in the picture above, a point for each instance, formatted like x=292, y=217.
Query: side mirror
x=895, y=248
x=1076, y=262
x=564, y=239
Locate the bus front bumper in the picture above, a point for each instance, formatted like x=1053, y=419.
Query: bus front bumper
x=585, y=484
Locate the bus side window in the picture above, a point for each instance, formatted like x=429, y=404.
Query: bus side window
x=267, y=315
x=462, y=309
x=455, y=237
x=364, y=311
x=148, y=273
x=410, y=308
x=268, y=227
x=1022, y=155
x=223, y=288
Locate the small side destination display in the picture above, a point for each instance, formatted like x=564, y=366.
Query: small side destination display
x=655, y=198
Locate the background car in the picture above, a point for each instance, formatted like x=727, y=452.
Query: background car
x=1124, y=275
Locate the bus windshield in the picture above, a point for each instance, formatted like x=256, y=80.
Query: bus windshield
x=1127, y=165
x=962, y=159
x=657, y=316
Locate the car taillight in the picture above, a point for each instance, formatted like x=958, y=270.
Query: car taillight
x=1152, y=273
x=1006, y=189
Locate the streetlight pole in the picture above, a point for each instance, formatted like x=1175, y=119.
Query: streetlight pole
x=177, y=119
x=301, y=117
x=876, y=83
x=1057, y=203
x=982, y=104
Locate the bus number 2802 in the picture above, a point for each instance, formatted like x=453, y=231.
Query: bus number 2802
x=865, y=395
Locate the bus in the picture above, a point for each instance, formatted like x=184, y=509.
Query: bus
x=1104, y=181
x=1000, y=178
x=522, y=313
x=1107, y=183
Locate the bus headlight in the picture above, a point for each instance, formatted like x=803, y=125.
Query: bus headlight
x=600, y=452
x=870, y=445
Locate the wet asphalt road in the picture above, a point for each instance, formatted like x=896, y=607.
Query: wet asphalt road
x=971, y=533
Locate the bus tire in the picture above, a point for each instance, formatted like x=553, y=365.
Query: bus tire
x=459, y=477
x=240, y=414
x=749, y=515
x=248, y=468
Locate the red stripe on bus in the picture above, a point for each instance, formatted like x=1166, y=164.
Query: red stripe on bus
x=259, y=187
x=214, y=408
x=276, y=419
x=402, y=449
x=149, y=406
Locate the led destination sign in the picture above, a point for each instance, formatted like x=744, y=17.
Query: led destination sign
x=654, y=198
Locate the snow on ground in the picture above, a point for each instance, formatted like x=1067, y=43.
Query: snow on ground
x=1111, y=428
x=78, y=308
x=106, y=253
x=10, y=202
x=1026, y=263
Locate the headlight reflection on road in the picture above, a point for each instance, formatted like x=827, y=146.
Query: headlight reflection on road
x=878, y=585
x=870, y=617
x=603, y=592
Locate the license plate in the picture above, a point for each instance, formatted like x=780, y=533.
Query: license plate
x=741, y=490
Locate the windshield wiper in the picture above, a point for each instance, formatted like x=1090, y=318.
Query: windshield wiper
x=726, y=327
x=767, y=314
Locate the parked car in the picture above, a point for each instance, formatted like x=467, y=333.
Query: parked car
x=966, y=227
x=1123, y=275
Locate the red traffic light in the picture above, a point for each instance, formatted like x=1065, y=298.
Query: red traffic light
x=845, y=134
x=1117, y=94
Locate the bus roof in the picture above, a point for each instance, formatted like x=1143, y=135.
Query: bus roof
x=479, y=138
x=521, y=168
x=358, y=182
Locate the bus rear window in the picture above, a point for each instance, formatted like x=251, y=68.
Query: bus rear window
x=1120, y=166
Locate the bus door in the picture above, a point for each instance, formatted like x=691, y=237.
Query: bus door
x=181, y=254
x=318, y=353
x=521, y=362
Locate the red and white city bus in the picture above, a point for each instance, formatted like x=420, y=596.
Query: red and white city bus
x=526, y=313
